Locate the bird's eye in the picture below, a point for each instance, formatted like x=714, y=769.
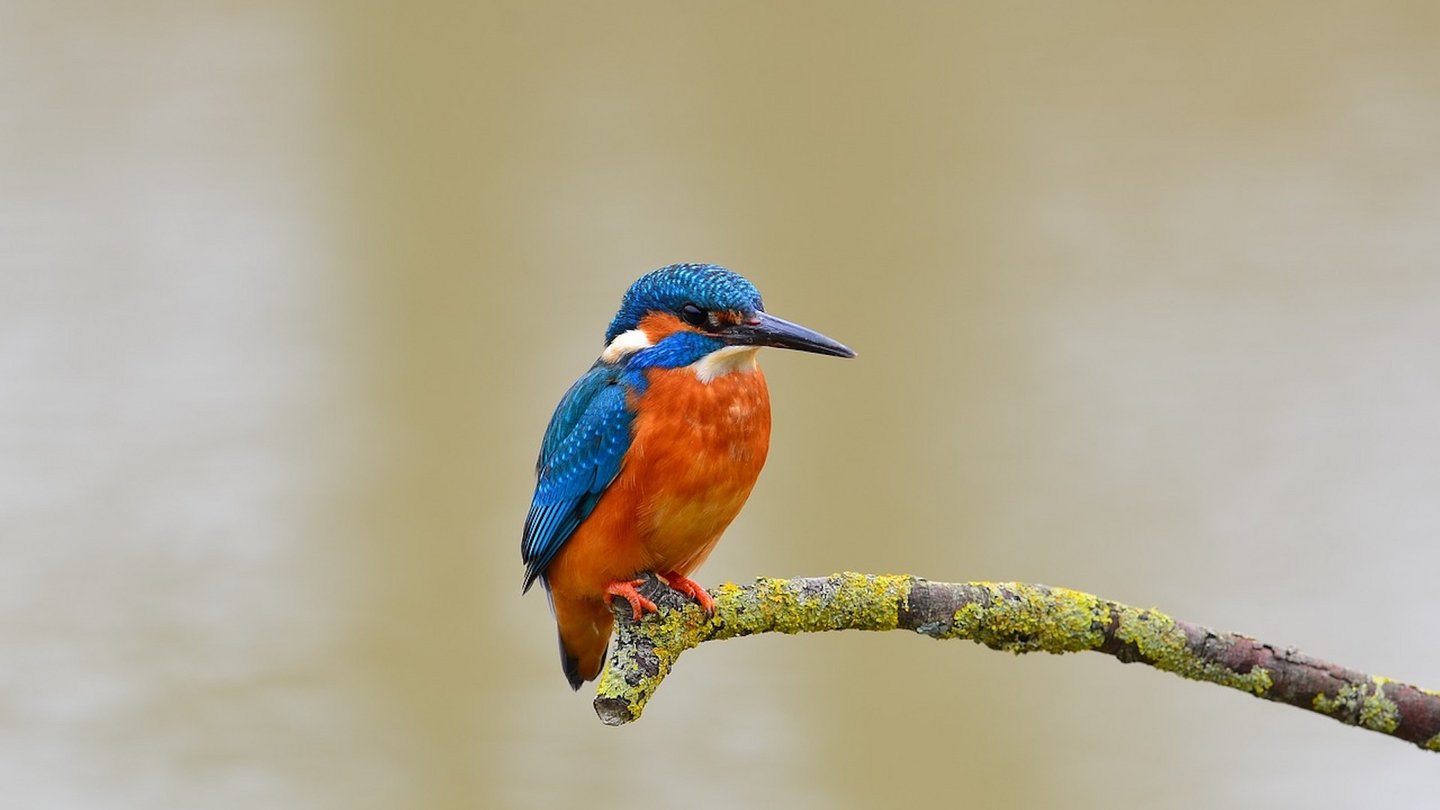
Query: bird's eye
x=693, y=315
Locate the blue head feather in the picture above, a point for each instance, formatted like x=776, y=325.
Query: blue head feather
x=708, y=286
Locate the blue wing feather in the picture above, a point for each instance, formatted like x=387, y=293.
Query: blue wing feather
x=579, y=457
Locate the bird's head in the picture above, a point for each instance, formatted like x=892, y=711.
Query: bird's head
x=693, y=311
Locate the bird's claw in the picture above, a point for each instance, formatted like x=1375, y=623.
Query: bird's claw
x=692, y=589
x=626, y=590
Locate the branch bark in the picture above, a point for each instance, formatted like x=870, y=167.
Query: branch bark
x=1009, y=616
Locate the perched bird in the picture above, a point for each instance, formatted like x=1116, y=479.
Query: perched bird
x=651, y=453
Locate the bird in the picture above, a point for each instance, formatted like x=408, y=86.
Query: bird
x=652, y=453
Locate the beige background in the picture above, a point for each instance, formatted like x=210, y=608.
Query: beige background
x=1146, y=299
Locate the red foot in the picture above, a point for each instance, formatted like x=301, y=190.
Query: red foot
x=692, y=589
x=626, y=590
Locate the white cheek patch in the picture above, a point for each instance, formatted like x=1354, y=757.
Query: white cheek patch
x=625, y=343
x=726, y=361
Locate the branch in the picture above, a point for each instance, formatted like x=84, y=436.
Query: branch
x=1003, y=616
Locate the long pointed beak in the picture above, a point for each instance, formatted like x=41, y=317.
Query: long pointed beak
x=764, y=329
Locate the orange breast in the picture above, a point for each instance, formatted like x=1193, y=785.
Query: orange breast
x=696, y=451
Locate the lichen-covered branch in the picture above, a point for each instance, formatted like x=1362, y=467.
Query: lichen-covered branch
x=1009, y=616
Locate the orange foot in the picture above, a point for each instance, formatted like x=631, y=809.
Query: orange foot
x=692, y=589
x=626, y=590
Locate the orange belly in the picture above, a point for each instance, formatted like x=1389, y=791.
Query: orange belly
x=695, y=453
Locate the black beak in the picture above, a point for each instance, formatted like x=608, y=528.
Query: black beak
x=763, y=329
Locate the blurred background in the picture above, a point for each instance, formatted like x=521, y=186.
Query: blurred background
x=1146, y=299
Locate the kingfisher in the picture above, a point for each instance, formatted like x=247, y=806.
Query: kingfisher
x=653, y=452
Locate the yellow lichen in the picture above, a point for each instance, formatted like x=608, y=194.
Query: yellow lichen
x=1164, y=645
x=1261, y=681
x=1026, y=618
x=871, y=603
x=1379, y=713
x=844, y=601
x=1325, y=704
x=1007, y=616
x=1371, y=709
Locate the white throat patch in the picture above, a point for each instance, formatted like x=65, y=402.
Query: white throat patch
x=625, y=343
x=726, y=361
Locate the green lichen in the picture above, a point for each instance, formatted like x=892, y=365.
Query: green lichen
x=1016, y=617
x=1163, y=644
x=842, y=601
x=1347, y=700
x=1028, y=618
x=1379, y=713
x=1261, y=682
x=623, y=691
x=864, y=602
x=839, y=602
x=1024, y=618
x=1370, y=709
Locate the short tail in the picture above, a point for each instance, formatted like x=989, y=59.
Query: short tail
x=584, y=627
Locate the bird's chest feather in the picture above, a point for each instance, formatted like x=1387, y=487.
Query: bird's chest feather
x=698, y=447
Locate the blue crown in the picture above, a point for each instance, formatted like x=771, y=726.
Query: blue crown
x=708, y=286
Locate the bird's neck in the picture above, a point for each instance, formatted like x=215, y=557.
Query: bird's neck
x=728, y=360
x=707, y=357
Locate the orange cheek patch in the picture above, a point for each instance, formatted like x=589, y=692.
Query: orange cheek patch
x=660, y=325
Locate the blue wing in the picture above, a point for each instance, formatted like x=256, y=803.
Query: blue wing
x=579, y=457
